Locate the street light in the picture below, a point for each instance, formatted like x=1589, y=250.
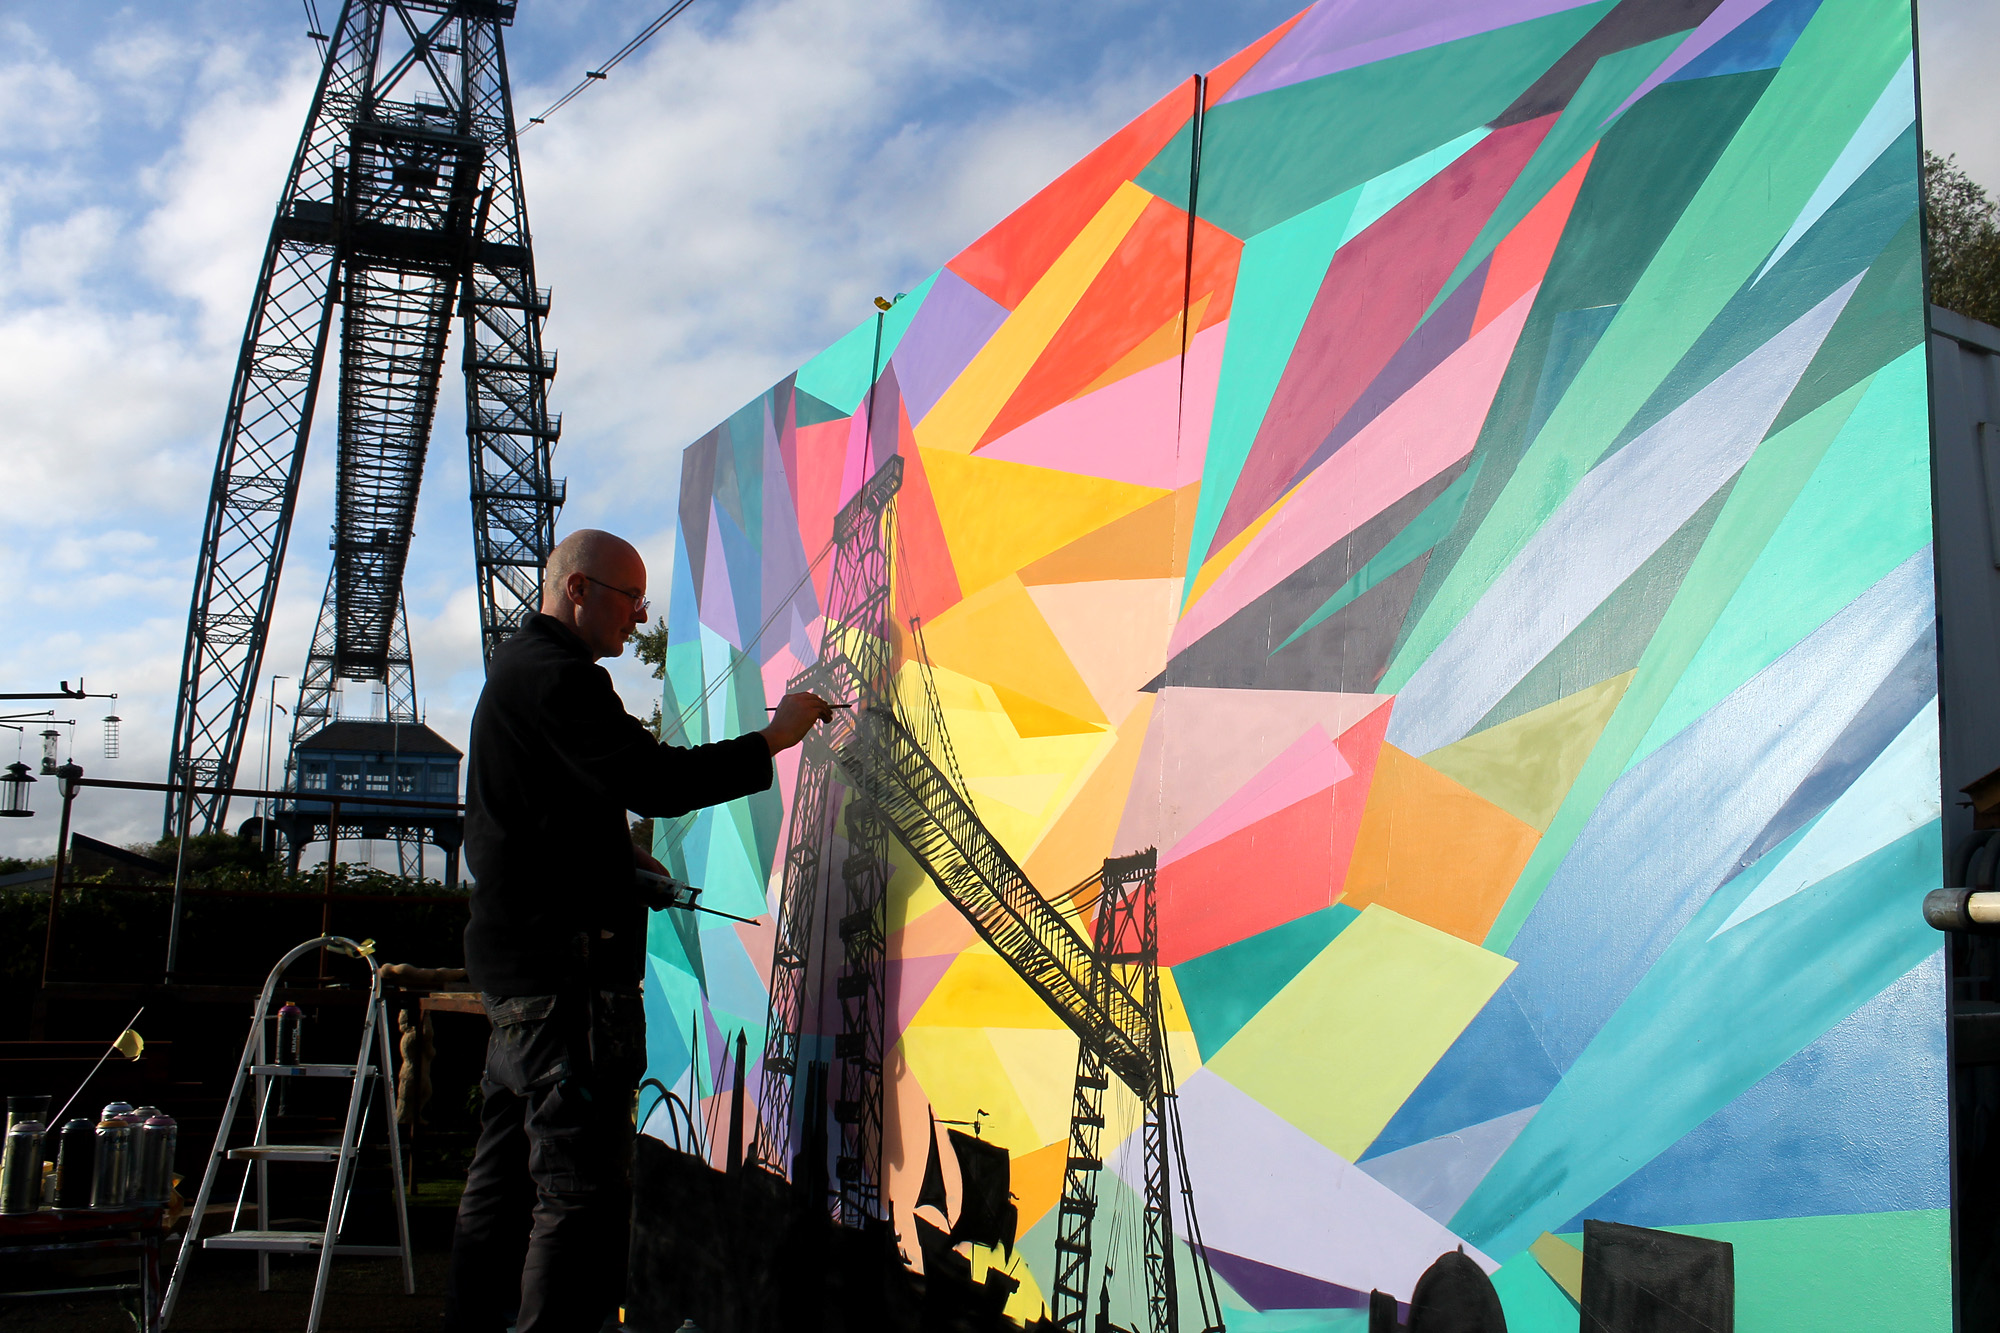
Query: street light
x=270, y=703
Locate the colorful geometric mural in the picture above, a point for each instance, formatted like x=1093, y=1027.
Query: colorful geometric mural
x=1488, y=555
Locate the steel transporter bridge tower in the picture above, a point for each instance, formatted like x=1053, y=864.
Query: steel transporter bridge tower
x=404, y=209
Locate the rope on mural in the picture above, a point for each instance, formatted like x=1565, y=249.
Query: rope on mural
x=1195, y=126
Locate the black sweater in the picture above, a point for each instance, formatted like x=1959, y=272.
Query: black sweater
x=554, y=764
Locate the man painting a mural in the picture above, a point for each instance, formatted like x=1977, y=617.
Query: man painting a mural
x=556, y=942
x=1389, y=629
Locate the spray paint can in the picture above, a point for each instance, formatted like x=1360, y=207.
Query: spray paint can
x=156, y=1158
x=111, y=1174
x=291, y=1019
x=21, y=1108
x=21, y=1168
x=76, y=1154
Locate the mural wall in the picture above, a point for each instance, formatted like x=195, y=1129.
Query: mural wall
x=1487, y=555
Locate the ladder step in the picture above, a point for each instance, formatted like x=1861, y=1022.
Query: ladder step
x=293, y=1242
x=287, y=1152
x=309, y=1071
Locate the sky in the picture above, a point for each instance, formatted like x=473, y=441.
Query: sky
x=728, y=202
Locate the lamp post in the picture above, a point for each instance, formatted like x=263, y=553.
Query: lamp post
x=67, y=786
x=270, y=703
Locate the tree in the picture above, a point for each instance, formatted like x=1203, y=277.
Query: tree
x=1963, y=224
x=650, y=646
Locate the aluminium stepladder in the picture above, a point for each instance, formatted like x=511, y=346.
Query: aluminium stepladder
x=376, y=1048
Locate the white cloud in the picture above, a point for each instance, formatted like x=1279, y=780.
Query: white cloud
x=101, y=404
x=730, y=207
x=43, y=104
x=1959, y=43
x=55, y=257
x=217, y=189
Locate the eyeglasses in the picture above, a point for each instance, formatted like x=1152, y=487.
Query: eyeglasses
x=640, y=604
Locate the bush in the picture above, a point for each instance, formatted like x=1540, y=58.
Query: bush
x=240, y=918
x=1963, y=225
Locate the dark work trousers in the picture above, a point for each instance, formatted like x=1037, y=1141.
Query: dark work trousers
x=546, y=1215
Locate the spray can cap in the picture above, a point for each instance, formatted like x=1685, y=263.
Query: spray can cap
x=290, y=1010
x=114, y=1109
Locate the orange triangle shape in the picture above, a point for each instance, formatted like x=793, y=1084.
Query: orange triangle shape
x=1032, y=717
x=1163, y=344
x=1434, y=851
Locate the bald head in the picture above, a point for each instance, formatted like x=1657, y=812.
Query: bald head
x=585, y=551
x=595, y=583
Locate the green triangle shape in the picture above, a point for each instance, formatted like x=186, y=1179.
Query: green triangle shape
x=1881, y=321
x=1224, y=988
x=1526, y=766
x=814, y=412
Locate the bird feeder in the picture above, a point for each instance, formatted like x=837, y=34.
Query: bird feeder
x=111, y=736
x=50, y=739
x=14, y=786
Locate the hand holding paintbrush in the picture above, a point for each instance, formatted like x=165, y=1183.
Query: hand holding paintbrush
x=793, y=717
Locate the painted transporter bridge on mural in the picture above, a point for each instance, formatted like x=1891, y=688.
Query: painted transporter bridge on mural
x=1455, y=484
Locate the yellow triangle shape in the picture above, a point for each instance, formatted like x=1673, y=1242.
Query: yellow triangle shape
x=998, y=636
x=1526, y=764
x=998, y=516
x=1041, y=1068
x=962, y=414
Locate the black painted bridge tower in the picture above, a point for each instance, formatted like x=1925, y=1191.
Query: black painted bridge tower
x=403, y=210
